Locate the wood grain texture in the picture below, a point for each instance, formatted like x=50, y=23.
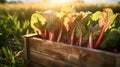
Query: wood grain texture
x=53, y=54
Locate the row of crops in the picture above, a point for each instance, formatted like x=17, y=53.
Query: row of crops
x=99, y=30
x=11, y=44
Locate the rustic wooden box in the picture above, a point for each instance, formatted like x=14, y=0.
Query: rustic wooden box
x=44, y=53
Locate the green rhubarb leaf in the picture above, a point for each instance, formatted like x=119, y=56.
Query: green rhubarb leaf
x=86, y=20
x=38, y=22
x=111, y=40
x=96, y=16
x=86, y=38
x=113, y=18
x=108, y=11
x=78, y=25
x=53, y=21
x=80, y=28
x=117, y=21
x=118, y=30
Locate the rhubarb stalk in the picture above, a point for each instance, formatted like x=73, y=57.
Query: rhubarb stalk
x=104, y=27
x=60, y=34
x=80, y=40
x=51, y=35
x=90, y=43
x=71, y=40
x=100, y=37
x=43, y=33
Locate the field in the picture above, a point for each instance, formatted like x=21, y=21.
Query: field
x=15, y=22
x=24, y=11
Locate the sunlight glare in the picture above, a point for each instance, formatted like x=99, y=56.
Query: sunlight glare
x=88, y=1
x=95, y=1
x=59, y=1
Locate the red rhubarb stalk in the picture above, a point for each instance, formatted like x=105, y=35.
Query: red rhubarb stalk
x=90, y=43
x=80, y=39
x=115, y=50
x=60, y=34
x=51, y=35
x=43, y=33
x=100, y=38
x=104, y=27
x=70, y=41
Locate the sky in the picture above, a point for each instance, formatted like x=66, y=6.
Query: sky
x=89, y=1
x=100, y=1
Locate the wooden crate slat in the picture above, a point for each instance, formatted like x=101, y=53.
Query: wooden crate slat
x=53, y=54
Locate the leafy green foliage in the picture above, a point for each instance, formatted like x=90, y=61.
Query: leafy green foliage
x=3, y=1
x=11, y=28
x=98, y=30
x=111, y=40
x=16, y=24
x=11, y=32
x=105, y=22
x=9, y=59
x=96, y=15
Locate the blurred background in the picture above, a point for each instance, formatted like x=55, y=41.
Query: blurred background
x=95, y=1
x=25, y=6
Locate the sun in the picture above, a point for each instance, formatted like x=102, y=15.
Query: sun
x=59, y=1
x=88, y=1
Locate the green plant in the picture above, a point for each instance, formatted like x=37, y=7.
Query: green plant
x=3, y=1
x=12, y=29
x=79, y=28
x=9, y=59
x=11, y=45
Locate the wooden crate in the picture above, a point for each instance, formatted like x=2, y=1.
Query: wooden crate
x=45, y=53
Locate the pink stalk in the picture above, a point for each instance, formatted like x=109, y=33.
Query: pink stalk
x=70, y=41
x=51, y=35
x=100, y=38
x=45, y=33
x=70, y=20
x=90, y=43
x=42, y=33
x=80, y=39
x=60, y=34
x=115, y=50
x=72, y=37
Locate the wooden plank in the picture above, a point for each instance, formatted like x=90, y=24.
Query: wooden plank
x=48, y=61
x=118, y=61
x=74, y=55
x=33, y=64
x=58, y=54
x=26, y=47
